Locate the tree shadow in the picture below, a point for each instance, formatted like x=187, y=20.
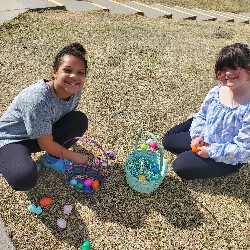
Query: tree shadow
x=236, y=185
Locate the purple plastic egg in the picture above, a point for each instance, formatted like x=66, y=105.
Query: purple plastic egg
x=67, y=209
x=88, y=183
x=110, y=154
x=61, y=223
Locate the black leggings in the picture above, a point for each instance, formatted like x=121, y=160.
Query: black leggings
x=187, y=164
x=16, y=164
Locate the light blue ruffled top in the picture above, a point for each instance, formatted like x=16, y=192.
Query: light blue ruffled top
x=225, y=129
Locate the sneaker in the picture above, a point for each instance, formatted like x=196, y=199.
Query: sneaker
x=38, y=167
x=58, y=164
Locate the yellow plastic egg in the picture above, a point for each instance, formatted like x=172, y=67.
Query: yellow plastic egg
x=98, y=153
x=142, y=178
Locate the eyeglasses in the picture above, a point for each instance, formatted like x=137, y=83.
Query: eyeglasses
x=228, y=73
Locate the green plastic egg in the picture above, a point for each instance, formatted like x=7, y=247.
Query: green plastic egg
x=144, y=146
x=79, y=186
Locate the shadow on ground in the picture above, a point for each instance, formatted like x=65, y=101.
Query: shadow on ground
x=115, y=203
x=236, y=185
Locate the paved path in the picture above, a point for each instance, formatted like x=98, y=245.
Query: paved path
x=10, y=9
x=5, y=241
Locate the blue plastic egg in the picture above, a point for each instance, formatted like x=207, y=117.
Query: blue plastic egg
x=73, y=182
x=38, y=210
x=149, y=141
x=32, y=208
x=87, y=189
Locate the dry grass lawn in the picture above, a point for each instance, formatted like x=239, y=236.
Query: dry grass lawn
x=234, y=6
x=145, y=74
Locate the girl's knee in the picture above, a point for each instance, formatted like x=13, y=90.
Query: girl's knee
x=25, y=182
x=80, y=119
x=181, y=166
x=166, y=141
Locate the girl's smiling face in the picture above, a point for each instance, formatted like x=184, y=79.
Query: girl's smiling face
x=70, y=76
x=233, y=78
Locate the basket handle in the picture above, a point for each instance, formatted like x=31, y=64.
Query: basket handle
x=89, y=140
x=158, y=145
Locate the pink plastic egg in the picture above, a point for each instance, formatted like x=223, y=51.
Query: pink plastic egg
x=153, y=144
x=88, y=182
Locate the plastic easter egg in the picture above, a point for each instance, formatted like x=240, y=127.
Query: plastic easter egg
x=88, y=183
x=80, y=180
x=46, y=201
x=144, y=146
x=142, y=178
x=110, y=154
x=67, y=209
x=73, y=182
x=86, y=245
x=79, y=186
x=104, y=164
x=155, y=170
x=149, y=141
x=153, y=149
x=153, y=144
x=96, y=160
x=98, y=153
x=95, y=185
x=61, y=223
x=195, y=149
x=32, y=208
x=38, y=210
x=88, y=189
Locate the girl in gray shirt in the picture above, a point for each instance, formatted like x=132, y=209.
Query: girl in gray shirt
x=42, y=117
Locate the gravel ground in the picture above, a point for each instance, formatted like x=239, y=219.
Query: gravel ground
x=144, y=74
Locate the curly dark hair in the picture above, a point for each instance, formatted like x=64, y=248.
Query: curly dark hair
x=74, y=49
x=232, y=56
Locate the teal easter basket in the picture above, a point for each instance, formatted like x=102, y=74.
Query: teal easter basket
x=145, y=168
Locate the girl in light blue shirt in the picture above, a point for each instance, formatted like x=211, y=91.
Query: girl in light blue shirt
x=216, y=141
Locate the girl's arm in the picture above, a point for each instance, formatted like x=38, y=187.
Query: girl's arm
x=199, y=120
x=47, y=144
x=236, y=152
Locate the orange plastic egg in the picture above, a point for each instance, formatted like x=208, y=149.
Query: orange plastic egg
x=46, y=201
x=95, y=185
x=195, y=149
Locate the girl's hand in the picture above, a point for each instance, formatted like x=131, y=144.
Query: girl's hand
x=203, y=151
x=80, y=158
x=197, y=142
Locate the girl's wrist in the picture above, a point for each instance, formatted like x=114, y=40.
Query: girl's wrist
x=194, y=136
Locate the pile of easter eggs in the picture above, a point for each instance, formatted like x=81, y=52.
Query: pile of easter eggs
x=98, y=160
x=143, y=167
x=88, y=184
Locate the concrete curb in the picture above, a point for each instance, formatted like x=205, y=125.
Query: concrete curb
x=5, y=241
